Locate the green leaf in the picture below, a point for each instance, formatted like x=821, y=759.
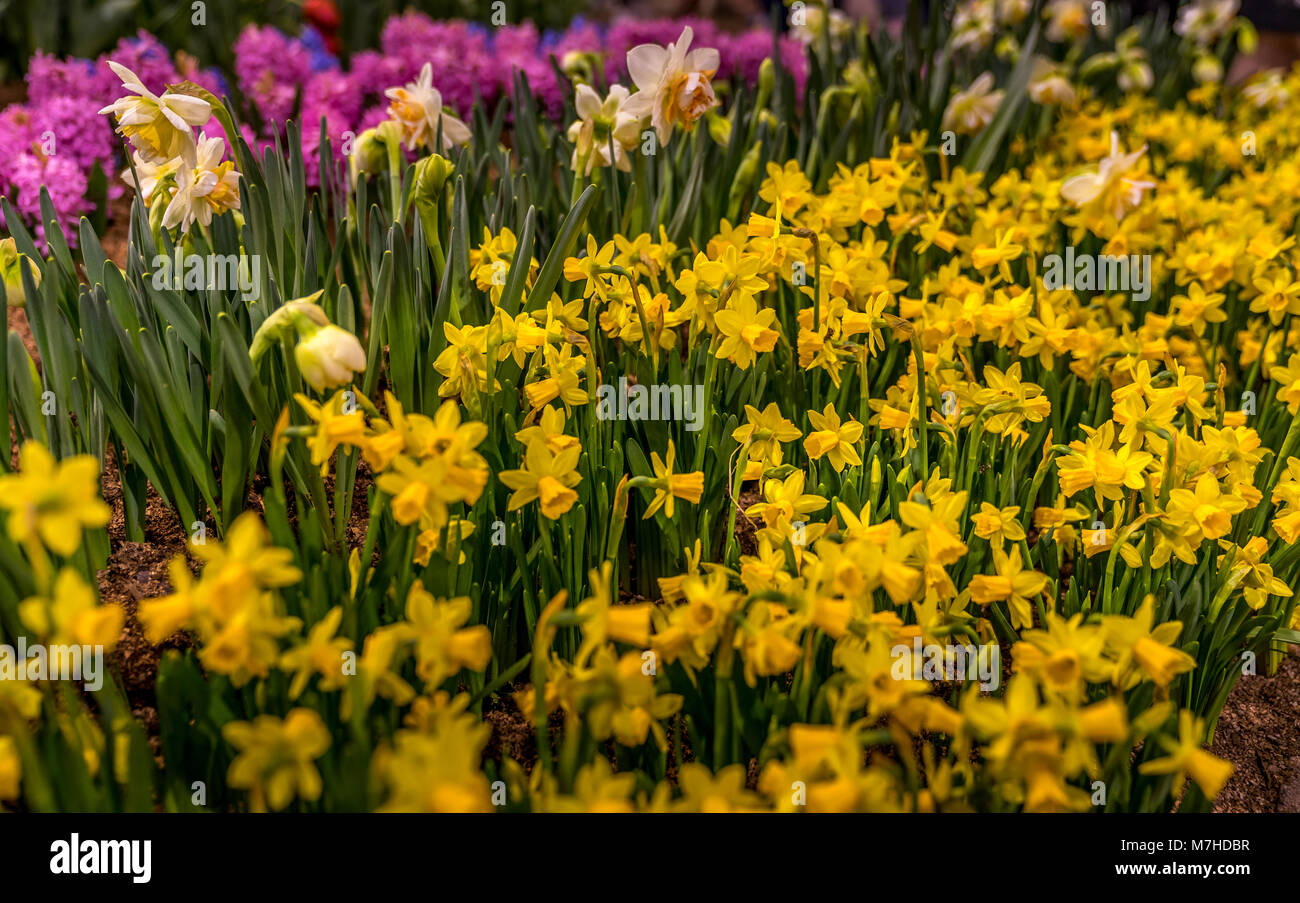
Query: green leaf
x=564, y=244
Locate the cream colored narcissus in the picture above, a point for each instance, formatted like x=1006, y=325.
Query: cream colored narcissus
x=1204, y=21
x=1111, y=186
x=329, y=357
x=146, y=174
x=599, y=121
x=674, y=83
x=1049, y=86
x=204, y=186
x=417, y=110
x=970, y=110
x=159, y=126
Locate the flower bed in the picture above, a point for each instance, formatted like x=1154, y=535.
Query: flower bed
x=908, y=427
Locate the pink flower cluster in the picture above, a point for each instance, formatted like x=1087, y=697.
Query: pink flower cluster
x=57, y=137
x=469, y=61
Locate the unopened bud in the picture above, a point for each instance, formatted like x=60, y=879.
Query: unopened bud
x=11, y=269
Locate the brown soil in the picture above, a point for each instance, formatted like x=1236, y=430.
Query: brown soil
x=135, y=571
x=513, y=736
x=138, y=570
x=747, y=528
x=1259, y=732
x=17, y=317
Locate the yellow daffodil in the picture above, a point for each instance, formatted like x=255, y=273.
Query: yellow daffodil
x=668, y=485
x=1188, y=758
x=547, y=477
x=833, y=439
x=275, y=760
x=52, y=501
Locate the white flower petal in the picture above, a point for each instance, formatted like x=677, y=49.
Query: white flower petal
x=639, y=104
x=194, y=110
x=646, y=64
x=706, y=59
x=587, y=102
x=454, y=131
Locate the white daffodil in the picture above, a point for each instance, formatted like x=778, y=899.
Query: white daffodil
x=1134, y=73
x=1013, y=12
x=1049, y=86
x=597, y=122
x=417, y=109
x=972, y=25
x=159, y=127
x=1110, y=186
x=204, y=186
x=1266, y=89
x=809, y=24
x=1067, y=20
x=970, y=110
x=674, y=83
x=1205, y=21
x=150, y=173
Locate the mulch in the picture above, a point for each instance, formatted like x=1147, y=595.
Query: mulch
x=1259, y=732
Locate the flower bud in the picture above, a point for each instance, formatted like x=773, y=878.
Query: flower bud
x=431, y=175
x=745, y=174
x=719, y=128
x=302, y=314
x=1247, y=36
x=578, y=66
x=329, y=357
x=11, y=269
x=369, y=154
x=1207, y=68
x=766, y=79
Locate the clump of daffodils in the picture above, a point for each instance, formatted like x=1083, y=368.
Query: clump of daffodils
x=171, y=167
